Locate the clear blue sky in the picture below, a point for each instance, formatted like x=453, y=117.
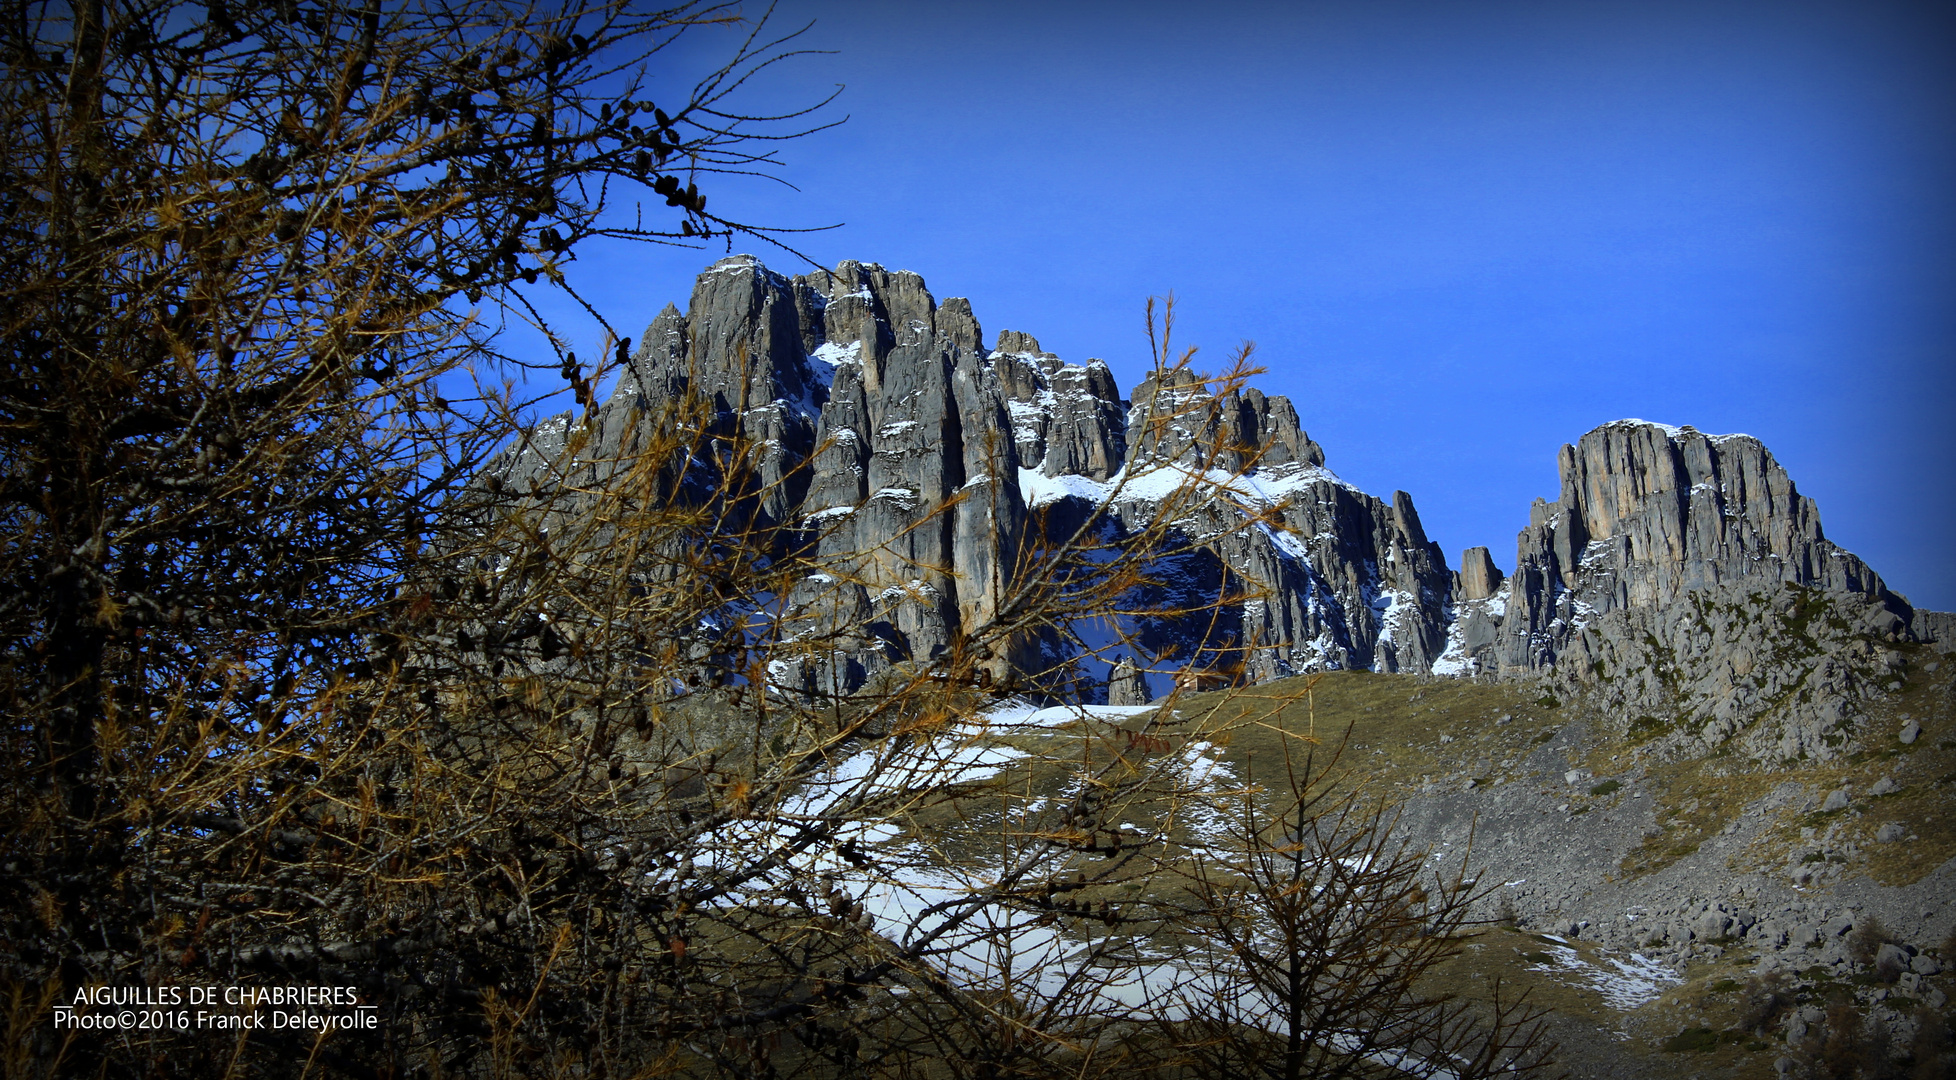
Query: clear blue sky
x=1460, y=233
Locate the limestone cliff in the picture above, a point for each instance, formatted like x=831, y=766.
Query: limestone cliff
x=1680, y=577
x=918, y=458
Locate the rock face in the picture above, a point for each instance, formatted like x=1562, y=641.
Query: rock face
x=1126, y=686
x=1935, y=627
x=1340, y=578
x=1650, y=513
x=919, y=458
x=1671, y=578
x=875, y=408
x=1683, y=581
x=1479, y=577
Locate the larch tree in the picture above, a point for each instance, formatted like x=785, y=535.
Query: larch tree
x=313, y=677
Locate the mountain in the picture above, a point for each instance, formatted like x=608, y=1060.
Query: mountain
x=1682, y=579
x=1700, y=753
x=1679, y=579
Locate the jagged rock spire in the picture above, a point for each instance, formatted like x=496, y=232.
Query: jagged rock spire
x=1649, y=513
x=879, y=406
x=918, y=459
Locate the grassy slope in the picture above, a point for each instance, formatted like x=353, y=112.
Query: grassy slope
x=1395, y=749
x=1401, y=737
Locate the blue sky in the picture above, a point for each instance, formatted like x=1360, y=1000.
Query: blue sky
x=1461, y=233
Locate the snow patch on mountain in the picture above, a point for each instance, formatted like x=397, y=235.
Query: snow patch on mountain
x=1624, y=985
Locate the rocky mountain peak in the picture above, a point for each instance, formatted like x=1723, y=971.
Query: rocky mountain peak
x=1015, y=341
x=878, y=407
x=1648, y=515
x=1663, y=510
x=1066, y=419
x=1176, y=417
x=918, y=460
x=1692, y=561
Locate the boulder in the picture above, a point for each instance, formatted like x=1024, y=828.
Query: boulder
x=1711, y=925
x=1937, y=628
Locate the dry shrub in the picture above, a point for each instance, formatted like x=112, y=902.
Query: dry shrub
x=1867, y=937
x=1763, y=999
x=1932, y=1053
x=1851, y=1047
